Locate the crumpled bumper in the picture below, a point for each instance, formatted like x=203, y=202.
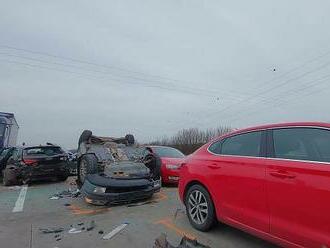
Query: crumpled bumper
x=117, y=190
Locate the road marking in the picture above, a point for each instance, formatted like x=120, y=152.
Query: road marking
x=167, y=222
x=19, y=205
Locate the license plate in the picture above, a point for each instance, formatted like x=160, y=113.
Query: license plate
x=157, y=183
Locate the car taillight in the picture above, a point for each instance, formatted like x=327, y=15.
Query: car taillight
x=30, y=162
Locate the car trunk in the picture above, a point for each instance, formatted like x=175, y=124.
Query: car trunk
x=45, y=164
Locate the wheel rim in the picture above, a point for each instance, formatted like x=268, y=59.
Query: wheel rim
x=198, y=207
x=83, y=170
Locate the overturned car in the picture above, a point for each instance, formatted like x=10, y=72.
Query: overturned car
x=114, y=170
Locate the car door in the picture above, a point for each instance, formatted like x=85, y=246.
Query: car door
x=298, y=182
x=15, y=158
x=4, y=158
x=239, y=179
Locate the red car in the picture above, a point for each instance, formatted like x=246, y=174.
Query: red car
x=272, y=181
x=171, y=162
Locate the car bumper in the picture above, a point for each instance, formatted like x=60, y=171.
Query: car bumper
x=117, y=190
x=31, y=173
x=170, y=176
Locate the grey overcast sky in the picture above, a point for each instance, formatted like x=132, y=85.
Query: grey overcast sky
x=153, y=67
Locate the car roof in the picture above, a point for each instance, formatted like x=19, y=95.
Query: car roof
x=278, y=125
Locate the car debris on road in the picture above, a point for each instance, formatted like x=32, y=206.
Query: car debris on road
x=161, y=242
x=115, y=231
x=91, y=226
x=51, y=230
x=74, y=230
x=66, y=193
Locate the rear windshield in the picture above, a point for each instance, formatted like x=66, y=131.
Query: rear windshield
x=42, y=151
x=168, y=152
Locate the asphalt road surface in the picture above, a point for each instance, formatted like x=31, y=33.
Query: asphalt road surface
x=24, y=210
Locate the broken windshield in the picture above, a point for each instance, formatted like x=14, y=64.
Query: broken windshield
x=125, y=153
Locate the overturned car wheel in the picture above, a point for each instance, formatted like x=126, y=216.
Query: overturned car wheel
x=9, y=177
x=85, y=136
x=130, y=139
x=87, y=165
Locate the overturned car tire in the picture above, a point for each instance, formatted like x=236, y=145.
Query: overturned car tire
x=130, y=139
x=87, y=165
x=9, y=177
x=84, y=137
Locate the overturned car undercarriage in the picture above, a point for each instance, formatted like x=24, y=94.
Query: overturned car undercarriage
x=115, y=170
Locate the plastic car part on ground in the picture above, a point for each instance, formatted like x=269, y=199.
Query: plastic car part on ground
x=115, y=231
x=161, y=242
x=66, y=193
x=71, y=230
x=51, y=230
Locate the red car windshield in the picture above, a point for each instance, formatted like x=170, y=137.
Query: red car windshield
x=168, y=152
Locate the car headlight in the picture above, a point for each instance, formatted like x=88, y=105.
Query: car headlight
x=172, y=166
x=99, y=190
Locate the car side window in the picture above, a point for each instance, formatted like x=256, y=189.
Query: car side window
x=15, y=155
x=3, y=153
x=215, y=147
x=247, y=144
x=311, y=144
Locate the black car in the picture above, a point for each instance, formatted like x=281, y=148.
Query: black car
x=34, y=163
x=113, y=170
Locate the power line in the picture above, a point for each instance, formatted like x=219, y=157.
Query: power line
x=277, y=104
x=101, y=65
x=115, y=77
x=315, y=92
x=267, y=91
x=244, y=101
x=296, y=91
x=105, y=78
x=83, y=61
x=295, y=68
x=153, y=75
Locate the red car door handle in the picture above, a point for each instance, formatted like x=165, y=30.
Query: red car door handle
x=214, y=166
x=282, y=175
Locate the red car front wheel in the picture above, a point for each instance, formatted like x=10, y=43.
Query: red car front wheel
x=200, y=208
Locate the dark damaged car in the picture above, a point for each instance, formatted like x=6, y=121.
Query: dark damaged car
x=35, y=163
x=114, y=170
